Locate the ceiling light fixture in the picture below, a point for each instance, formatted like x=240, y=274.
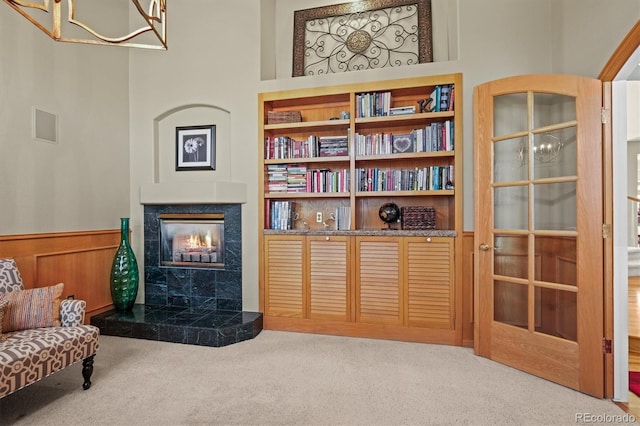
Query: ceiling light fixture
x=547, y=151
x=150, y=34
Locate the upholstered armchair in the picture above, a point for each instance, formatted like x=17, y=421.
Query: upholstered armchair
x=40, y=333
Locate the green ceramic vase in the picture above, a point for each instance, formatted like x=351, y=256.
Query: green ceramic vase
x=124, y=272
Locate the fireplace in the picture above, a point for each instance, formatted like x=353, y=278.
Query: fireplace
x=193, y=279
x=182, y=267
x=192, y=240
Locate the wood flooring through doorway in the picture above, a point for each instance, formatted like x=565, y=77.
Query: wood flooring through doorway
x=634, y=339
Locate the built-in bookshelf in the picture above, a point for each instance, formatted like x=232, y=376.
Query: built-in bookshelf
x=324, y=176
x=360, y=146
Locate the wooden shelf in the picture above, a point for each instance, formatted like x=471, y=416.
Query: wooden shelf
x=303, y=195
x=439, y=192
x=308, y=125
x=340, y=159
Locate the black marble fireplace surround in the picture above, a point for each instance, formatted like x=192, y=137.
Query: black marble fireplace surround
x=194, y=287
x=201, y=306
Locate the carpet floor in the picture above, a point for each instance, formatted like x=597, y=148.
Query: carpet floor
x=282, y=378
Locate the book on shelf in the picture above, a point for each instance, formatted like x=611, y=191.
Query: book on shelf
x=334, y=146
x=445, y=96
x=432, y=178
x=403, y=143
x=276, y=178
x=326, y=180
x=437, y=136
x=373, y=144
x=283, y=147
x=403, y=110
x=442, y=98
x=297, y=178
x=376, y=104
x=343, y=218
x=281, y=214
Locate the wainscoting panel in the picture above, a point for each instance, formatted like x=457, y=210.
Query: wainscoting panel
x=467, y=288
x=80, y=260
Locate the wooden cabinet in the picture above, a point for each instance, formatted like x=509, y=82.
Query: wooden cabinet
x=330, y=157
x=329, y=277
x=429, y=282
x=284, y=274
x=405, y=281
x=307, y=276
x=379, y=286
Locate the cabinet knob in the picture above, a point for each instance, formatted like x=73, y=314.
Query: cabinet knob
x=327, y=238
x=428, y=239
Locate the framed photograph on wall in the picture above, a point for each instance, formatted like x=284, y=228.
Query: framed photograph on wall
x=196, y=147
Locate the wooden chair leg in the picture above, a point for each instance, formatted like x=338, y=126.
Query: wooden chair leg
x=87, y=371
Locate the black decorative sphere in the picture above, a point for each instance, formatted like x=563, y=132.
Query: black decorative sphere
x=389, y=213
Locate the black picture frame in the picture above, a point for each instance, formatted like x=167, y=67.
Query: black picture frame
x=196, y=147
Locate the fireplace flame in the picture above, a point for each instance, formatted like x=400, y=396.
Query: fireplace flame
x=199, y=241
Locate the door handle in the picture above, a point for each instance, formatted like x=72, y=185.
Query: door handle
x=485, y=247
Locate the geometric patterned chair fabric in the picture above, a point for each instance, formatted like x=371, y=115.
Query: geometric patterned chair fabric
x=72, y=312
x=27, y=356
x=10, y=278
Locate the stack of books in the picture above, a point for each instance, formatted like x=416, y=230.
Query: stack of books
x=296, y=178
x=334, y=146
x=277, y=178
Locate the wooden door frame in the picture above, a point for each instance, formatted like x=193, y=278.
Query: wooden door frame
x=618, y=59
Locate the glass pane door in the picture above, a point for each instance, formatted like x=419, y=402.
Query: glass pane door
x=538, y=227
x=534, y=203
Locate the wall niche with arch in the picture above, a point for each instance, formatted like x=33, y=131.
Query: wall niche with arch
x=164, y=147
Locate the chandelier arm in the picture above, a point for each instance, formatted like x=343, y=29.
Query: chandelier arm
x=117, y=40
x=111, y=39
x=156, y=10
x=155, y=17
x=106, y=43
x=44, y=6
x=16, y=7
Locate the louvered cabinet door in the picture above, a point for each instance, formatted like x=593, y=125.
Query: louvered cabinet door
x=429, y=282
x=284, y=273
x=379, y=278
x=329, y=277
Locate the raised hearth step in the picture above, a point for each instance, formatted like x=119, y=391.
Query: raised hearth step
x=191, y=326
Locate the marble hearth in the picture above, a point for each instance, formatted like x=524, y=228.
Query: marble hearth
x=193, y=326
x=191, y=305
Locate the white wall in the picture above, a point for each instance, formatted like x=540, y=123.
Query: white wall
x=633, y=110
x=82, y=182
x=585, y=33
x=213, y=60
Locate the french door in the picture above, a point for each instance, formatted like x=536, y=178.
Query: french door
x=539, y=227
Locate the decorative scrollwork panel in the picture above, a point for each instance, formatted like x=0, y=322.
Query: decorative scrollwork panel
x=362, y=35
